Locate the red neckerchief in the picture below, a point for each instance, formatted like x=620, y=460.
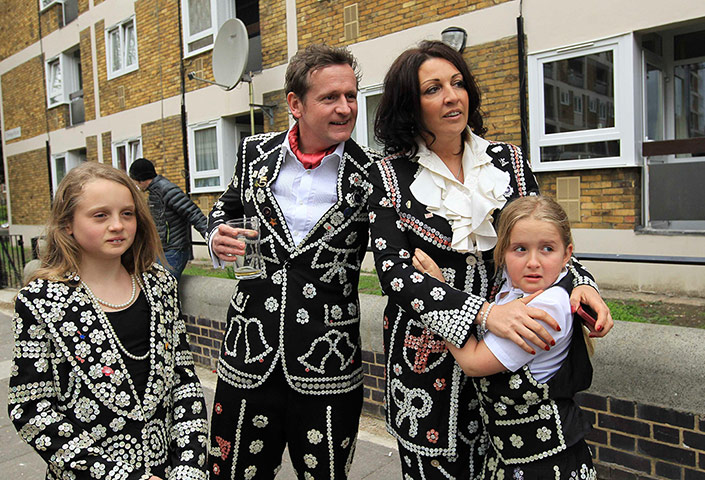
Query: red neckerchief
x=308, y=160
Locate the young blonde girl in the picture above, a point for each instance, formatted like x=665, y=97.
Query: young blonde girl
x=102, y=384
x=536, y=430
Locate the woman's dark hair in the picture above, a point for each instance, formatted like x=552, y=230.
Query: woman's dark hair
x=399, y=119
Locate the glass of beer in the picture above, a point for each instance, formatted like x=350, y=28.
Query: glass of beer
x=250, y=264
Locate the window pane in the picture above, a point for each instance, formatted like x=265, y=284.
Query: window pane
x=580, y=151
x=690, y=100
x=204, y=42
x=115, y=50
x=654, y=103
x=121, y=158
x=570, y=83
x=199, y=16
x=130, y=45
x=207, y=182
x=60, y=167
x=689, y=45
x=55, y=81
x=372, y=103
x=135, y=150
x=206, y=149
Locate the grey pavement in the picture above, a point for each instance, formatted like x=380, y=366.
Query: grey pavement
x=376, y=457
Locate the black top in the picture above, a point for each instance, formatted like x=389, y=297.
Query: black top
x=131, y=326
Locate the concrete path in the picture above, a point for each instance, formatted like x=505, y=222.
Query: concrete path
x=376, y=457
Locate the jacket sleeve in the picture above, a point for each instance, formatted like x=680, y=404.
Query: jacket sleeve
x=445, y=310
x=33, y=408
x=189, y=428
x=178, y=201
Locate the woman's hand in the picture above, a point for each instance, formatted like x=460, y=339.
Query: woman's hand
x=425, y=264
x=516, y=321
x=154, y=477
x=588, y=295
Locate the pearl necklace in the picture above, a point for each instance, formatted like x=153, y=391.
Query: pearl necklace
x=106, y=320
x=113, y=305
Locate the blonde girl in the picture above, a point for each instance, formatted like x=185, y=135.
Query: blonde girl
x=535, y=428
x=103, y=385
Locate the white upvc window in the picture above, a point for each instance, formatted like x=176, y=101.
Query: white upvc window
x=367, y=102
x=564, y=134
x=212, y=150
x=62, y=163
x=63, y=77
x=44, y=4
x=125, y=152
x=121, y=48
x=202, y=19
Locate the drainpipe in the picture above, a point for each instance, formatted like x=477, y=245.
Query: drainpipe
x=523, y=114
x=184, y=128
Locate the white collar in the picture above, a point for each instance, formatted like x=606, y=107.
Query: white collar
x=512, y=293
x=467, y=206
x=338, y=152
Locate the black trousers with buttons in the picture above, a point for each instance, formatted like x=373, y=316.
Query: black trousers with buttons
x=463, y=466
x=251, y=428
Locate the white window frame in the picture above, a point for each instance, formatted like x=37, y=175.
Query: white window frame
x=46, y=5
x=72, y=159
x=626, y=67
x=228, y=135
x=221, y=10
x=360, y=132
x=69, y=78
x=130, y=154
x=121, y=27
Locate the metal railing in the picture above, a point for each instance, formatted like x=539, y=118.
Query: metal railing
x=12, y=260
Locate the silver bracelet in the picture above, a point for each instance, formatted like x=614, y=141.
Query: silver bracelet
x=485, y=316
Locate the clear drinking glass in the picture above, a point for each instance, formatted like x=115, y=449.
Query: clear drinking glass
x=249, y=265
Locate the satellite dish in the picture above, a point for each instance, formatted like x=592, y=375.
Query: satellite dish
x=230, y=54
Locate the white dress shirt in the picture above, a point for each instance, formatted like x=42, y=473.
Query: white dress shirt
x=556, y=302
x=305, y=195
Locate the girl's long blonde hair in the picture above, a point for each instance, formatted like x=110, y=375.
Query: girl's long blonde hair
x=62, y=254
x=540, y=208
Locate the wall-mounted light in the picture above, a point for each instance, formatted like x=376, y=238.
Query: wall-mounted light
x=455, y=38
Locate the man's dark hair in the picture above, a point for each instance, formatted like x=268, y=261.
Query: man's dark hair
x=399, y=117
x=312, y=58
x=142, y=169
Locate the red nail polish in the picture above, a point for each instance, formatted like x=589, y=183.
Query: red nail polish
x=533, y=353
x=553, y=343
x=599, y=328
x=558, y=329
x=546, y=348
x=573, y=309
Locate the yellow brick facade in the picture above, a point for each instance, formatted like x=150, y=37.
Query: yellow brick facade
x=24, y=99
x=28, y=177
x=51, y=19
x=609, y=198
x=272, y=21
x=162, y=145
x=322, y=22
x=87, y=69
x=18, y=21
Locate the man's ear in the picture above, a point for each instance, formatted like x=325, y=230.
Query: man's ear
x=295, y=105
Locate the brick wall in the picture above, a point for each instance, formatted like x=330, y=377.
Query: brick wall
x=28, y=177
x=158, y=52
x=18, y=21
x=106, y=142
x=162, y=145
x=281, y=111
x=609, y=198
x=496, y=71
x=51, y=19
x=631, y=440
x=24, y=98
x=92, y=148
x=322, y=22
x=272, y=24
x=87, y=74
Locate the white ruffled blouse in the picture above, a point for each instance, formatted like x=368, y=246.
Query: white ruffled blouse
x=467, y=206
